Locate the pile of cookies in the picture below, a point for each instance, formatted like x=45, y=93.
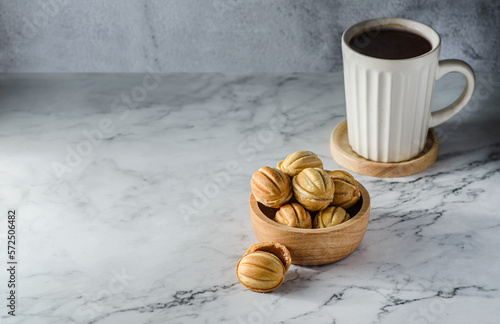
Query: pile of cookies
x=299, y=185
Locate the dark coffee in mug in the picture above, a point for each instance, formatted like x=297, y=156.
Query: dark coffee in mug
x=388, y=99
x=390, y=43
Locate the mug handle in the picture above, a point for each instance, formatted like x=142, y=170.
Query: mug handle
x=445, y=67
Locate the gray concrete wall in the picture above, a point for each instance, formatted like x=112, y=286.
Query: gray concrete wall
x=241, y=36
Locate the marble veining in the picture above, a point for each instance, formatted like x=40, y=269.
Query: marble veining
x=132, y=192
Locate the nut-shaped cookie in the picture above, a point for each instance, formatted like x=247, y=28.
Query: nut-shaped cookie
x=313, y=188
x=346, y=189
x=298, y=161
x=293, y=215
x=330, y=216
x=275, y=248
x=260, y=271
x=271, y=187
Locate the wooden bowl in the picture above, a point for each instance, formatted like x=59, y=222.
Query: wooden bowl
x=318, y=245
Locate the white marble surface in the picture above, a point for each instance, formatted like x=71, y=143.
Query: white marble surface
x=121, y=234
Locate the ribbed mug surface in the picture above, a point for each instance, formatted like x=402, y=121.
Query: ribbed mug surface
x=388, y=102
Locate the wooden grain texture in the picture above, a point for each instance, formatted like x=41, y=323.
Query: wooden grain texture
x=346, y=157
x=314, y=246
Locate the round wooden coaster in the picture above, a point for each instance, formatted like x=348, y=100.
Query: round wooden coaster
x=346, y=157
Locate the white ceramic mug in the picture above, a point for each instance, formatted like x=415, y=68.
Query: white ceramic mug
x=388, y=101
